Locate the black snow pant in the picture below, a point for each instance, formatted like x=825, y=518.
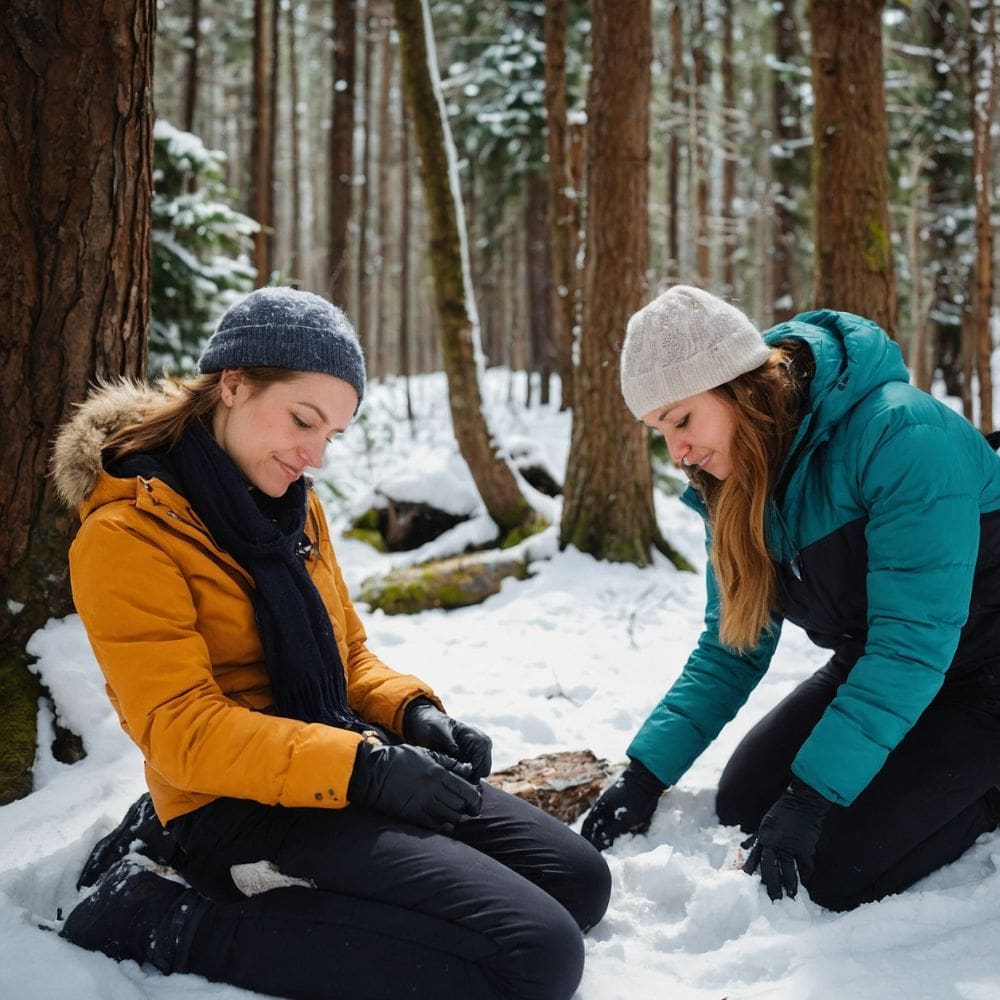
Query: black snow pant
x=935, y=794
x=493, y=910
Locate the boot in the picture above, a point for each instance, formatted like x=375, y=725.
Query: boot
x=140, y=832
x=136, y=913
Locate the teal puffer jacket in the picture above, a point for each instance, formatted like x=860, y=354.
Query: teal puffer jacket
x=885, y=526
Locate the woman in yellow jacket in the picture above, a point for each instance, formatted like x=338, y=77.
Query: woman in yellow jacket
x=326, y=817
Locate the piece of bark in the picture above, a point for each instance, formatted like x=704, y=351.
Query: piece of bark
x=564, y=784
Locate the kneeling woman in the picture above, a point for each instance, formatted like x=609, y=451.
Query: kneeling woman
x=841, y=498
x=280, y=752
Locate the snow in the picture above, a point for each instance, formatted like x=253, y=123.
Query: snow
x=573, y=657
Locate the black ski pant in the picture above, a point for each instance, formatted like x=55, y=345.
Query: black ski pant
x=493, y=910
x=935, y=794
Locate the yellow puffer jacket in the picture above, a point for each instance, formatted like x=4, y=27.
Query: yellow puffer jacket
x=171, y=622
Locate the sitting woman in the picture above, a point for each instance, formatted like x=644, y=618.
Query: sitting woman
x=280, y=753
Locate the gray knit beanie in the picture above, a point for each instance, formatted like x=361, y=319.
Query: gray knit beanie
x=684, y=342
x=286, y=328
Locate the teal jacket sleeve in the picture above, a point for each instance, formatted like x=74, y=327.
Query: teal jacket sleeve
x=714, y=684
x=920, y=490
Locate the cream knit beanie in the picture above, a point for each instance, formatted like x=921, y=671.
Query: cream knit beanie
x=684, y=342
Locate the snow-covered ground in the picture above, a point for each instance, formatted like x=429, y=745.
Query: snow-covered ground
x=574, y=657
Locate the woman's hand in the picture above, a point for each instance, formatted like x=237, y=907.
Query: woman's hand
x=785, y=843
x=625, y=807
x=425, y=725
x=422, y=787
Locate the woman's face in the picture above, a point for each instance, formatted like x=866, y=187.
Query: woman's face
x=275, y=432
x=699, y=432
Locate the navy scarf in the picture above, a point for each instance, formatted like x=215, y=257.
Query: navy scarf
x=265, y=536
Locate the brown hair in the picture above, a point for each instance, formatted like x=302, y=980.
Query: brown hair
x=768, y=403
x=181, y=400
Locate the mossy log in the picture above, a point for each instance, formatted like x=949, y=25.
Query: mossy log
x=457, y=582
x=564, y=784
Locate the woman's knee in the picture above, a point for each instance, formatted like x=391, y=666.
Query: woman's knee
x=542, y=962
x=588, y=897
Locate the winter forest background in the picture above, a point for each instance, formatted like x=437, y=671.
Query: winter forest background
x=497, y=185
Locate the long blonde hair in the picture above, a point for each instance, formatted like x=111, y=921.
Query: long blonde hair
x=182, y=400
x=768, y=403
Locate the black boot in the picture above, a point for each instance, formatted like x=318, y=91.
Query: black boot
x=136, y=913
x=139, y=831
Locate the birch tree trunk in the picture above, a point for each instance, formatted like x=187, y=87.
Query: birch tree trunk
x=853, y=266
x=449, y=264
x=76, y=169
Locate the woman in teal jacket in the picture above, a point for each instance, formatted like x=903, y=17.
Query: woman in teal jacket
x=841, y=498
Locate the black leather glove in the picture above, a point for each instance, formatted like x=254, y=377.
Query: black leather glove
x=424, y=788
x=786, y=839
x=425, y=725
x=625, y=807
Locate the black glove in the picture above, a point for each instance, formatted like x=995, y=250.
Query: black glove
x=417, y=785
x=625, y=807
x=425, y=725
x=786, y=839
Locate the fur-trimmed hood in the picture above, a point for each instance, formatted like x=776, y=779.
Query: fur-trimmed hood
x=76, y=455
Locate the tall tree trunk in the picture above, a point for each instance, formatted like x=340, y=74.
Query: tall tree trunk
x=449, y=264
x=272, y=146
x=380, y=331
x=562, y=218
x=944, y=314
x=405, y=230
x=786, y=116
x=677, y=103
x=297, y=253
x=538, y=281
x=850, y=168
x=699, y=147
x=76, y=169
x=362, y=300
x=731, y=146
x=341, y=157
x=982, y=58
x=261, y=152
x=608, y=496
x=191, y=73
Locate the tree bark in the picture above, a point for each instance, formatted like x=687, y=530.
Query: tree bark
x=982, y=58
x=538, y=282
x=608, y=496
x=362, y=300
x=563, y=218
x=341, y=145
x=674, y=143
x=730, y=146
x=449, y=264
x=699, y=148
x=853, y=265
x=191, y=73
x=786, y=112
x=385, y=344
x=296, y=248
x=76, y=169
x=261, y=151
